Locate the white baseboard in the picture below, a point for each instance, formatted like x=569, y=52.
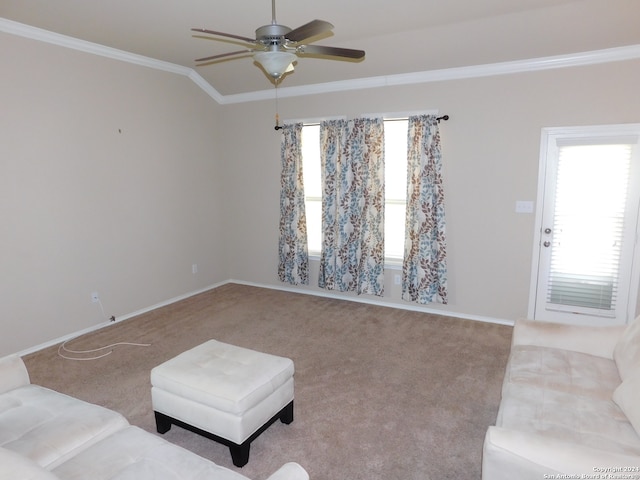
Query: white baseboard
x=380, y=303
x=118, y=320
x=415, y=308
x=63, y=339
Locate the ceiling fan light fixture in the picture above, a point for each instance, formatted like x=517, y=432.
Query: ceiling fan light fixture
x=275, y=47
x=275, y=62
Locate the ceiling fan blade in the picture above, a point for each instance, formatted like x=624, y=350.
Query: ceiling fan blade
x=222, y=34
x=331, y=51
x=308, y=30
x=222, y=55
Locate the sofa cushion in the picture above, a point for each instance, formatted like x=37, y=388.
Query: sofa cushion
x=133, y=453
x=627, y=397
x=49, y=427
x=14, y=466
x=517, y=455
x=627, y=351
x=562, y=371
x=588, y=421
x=592, y=340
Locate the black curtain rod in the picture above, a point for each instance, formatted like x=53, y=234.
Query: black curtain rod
x=444, y=117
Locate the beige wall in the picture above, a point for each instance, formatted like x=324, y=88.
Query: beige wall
x=116, y=178
x=491, y=155
x=109, y=182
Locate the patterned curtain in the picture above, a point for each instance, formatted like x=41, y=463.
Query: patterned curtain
x=352, y=255
x=293, y=264
x=424, y=270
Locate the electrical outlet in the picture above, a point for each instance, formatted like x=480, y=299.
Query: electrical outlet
x=194, y=268
x=95, y=297
x=397, y=280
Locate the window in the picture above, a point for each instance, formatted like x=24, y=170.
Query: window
x=395, y=138
x=312, y=186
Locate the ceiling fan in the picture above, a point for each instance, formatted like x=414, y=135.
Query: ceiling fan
x=276, y=46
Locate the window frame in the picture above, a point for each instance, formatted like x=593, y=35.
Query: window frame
x=391, y=262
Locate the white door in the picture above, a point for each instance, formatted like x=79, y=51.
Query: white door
x=585, y=261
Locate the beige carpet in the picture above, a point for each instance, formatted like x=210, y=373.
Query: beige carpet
x=381, y=393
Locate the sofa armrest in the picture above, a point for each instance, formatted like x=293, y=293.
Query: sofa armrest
x=13, y=373
x=290, y=471
x=598, y=341
x=510, y=454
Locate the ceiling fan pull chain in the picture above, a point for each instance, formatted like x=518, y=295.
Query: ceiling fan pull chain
x=277, y=127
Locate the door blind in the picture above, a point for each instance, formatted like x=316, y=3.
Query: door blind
x=588, y=226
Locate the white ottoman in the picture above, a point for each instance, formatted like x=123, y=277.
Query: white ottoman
x=227, y=393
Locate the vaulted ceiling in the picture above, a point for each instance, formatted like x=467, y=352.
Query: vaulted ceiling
x=403, y=36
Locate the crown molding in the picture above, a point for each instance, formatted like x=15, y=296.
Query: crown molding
x=20, y=29
x=206, y=87
x=616, y=54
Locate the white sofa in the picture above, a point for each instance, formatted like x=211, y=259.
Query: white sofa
x=570, y=404
x=47, y=435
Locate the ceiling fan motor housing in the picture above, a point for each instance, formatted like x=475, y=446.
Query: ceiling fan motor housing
x=273, y=34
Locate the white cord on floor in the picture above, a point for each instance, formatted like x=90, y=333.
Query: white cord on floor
x=63, y=347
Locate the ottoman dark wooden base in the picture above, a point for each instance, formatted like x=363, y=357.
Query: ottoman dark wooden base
x=239, y=453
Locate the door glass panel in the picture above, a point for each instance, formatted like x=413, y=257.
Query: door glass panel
x=588, y=226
